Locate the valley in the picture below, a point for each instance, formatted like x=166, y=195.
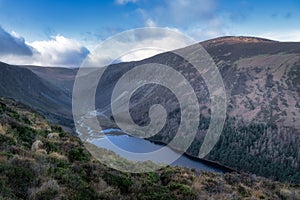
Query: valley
x=262, y=82
x=39, y=160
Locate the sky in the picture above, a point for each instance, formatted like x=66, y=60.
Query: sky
x=64, y=32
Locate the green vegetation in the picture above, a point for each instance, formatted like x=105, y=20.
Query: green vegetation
x=79, y=154
x=261, y=149
x=257, y=148
x=34, y=165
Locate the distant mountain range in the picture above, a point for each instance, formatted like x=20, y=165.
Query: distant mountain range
x=262, y=81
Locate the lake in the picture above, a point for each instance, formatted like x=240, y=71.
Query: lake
x=116, y=138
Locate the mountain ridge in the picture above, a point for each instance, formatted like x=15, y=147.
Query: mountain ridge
x=262, y=83
x=237, y=39
x=261, y=79
x=26, y=86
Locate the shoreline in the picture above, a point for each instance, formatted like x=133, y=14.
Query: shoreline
x=225, y=169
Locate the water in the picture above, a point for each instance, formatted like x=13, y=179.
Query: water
x=128, y=144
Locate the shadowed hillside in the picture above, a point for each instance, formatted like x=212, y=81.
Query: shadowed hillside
x=40, y=93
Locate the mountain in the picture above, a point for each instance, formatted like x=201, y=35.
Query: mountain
x=30, y=86
x=262, y=82
x=261, y=134
x=63, y=78
x=39, y=160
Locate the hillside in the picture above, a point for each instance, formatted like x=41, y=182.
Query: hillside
x=63, y=78
x=28, y=87
x=40, y=161
x=262, y=82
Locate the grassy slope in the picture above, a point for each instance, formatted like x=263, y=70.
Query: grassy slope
x=61, y=168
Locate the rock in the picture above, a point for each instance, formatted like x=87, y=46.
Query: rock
x=1, y=129
x=54, y=136
x=41, y=152
x=37, y=145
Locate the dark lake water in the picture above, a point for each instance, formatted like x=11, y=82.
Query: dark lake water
x=115, y=137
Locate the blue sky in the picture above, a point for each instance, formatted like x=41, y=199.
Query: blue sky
x=82, y=24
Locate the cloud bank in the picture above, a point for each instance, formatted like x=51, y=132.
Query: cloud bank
x=137, y=44
x=13, y=44
x=58, y=51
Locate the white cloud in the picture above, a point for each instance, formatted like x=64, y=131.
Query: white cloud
x=122, y=2
x=284, y=36
x=137, y=45
x=15, y=34
x=58, y=51
x=150, y=23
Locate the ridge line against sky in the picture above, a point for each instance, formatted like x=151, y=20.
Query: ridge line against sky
x=62, y=32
